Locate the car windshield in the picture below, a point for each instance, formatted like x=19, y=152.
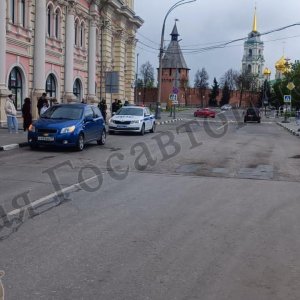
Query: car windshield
x=132, y=111
x=252, y=111
x=63, y=113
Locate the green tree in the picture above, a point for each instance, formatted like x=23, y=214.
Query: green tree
x=225, y=94
x=230, y=77
x=214, y=93
x=280, y=87
x=265, y=94
x=246, y=81
x=147, y=74
x=201, y=83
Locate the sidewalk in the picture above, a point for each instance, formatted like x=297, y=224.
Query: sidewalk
x=292, y=127
x=9, y=141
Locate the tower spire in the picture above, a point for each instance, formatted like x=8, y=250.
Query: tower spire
x=254, y=28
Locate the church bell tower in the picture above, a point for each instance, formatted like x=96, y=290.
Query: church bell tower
x=253, y=58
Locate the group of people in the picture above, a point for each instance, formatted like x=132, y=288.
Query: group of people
x=11, y=112
x=116, y=105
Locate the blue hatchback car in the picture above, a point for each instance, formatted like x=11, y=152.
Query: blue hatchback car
x=68, y=125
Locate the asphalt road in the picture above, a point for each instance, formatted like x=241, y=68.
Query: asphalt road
x=198, y=210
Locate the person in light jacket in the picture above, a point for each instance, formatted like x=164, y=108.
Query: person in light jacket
x=11, y=114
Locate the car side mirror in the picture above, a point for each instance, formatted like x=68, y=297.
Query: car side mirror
x=146, y=115
x=113, y=113
x=88, y=119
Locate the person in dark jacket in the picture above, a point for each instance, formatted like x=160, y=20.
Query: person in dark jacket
x=119, y=104
x=103, y=108
x=26, y=114
x=115, y=106
x=41, y=101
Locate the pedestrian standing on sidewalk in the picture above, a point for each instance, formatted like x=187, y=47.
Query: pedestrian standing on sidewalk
x=103, y=107
x=45, y=107
x=11, y=114
x=41, y=102
x=26, y=114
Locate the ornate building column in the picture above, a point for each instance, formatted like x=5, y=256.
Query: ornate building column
x=3, y=88
x=92, y=61
x=69, y=54
x=39, y=54
x=39, y=46
x=130, y=69
x=3, y=43
x=120, y=61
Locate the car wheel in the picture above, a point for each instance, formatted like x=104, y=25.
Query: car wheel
x=142, y=132
x=111, y=132
x=245, y=121
x=80, y=142
x=258, y=121
x=152, y=130
x=34, y=146
x=103, y=138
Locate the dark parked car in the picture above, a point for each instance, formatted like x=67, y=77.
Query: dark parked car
x=68, y=125
x=252, y=114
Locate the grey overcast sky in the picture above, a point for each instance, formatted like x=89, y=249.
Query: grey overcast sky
x=206, y=22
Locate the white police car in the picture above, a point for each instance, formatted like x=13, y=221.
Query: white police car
x=132, y=119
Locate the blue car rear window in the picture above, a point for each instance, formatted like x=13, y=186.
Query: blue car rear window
x=63, y=112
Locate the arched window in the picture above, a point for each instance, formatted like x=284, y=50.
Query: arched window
x=76, y=32
x=49, y=21
x=57, y=23
x=15, y=85
x=249, y=69
x=51, y=86
x=12, y=11
x=250, y=52
x=82, y=35
x=77, y=89
x=22, y=13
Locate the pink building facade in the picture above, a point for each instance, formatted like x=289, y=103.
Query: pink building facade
x=66, y=48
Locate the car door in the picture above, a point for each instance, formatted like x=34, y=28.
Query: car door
x=98, y=122
x=89, y=124
x=147, y=119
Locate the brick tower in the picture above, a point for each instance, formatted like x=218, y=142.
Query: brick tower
x=175, y=73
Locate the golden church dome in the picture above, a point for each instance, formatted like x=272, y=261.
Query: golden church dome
x=267, y=71
x=282, y=65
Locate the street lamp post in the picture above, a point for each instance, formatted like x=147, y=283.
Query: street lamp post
x=161, y=50
x=136, y=77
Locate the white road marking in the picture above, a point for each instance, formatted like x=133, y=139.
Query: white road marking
x=10, y=147
x=70, y=188
x=226, y=124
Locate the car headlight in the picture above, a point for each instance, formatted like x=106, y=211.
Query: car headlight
x=136, y=121
x=111, y=121
x=68, y=129
x=31, y=128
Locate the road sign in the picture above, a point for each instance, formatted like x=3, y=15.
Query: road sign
x=287, y=98
x=173, y=97
x=290, y=86
x=175, y=90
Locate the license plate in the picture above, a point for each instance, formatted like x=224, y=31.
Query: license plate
x=121, y=126
x=46, y=138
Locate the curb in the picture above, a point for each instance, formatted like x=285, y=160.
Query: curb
x=13, y=146
x=292, y=131
x=169, y=121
